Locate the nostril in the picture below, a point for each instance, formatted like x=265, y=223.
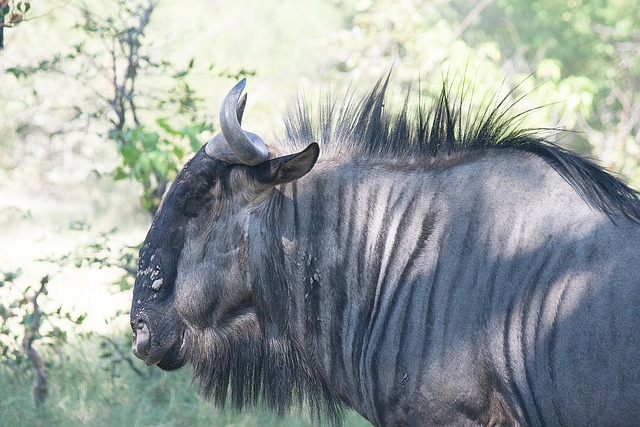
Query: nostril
x=141, y=341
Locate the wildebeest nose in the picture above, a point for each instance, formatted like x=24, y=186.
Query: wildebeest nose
x=141, y=340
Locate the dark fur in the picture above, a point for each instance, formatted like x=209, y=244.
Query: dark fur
x=252, y=366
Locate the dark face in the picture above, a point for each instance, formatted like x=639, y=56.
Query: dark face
x=158, y=329
x=193, y=273
x=192, y=289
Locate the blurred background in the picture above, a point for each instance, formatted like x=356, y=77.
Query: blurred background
x=101, y=103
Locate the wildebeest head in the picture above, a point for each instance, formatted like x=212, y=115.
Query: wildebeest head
x=192, y=288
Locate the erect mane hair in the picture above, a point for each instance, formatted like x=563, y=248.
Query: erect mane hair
x=363, y=126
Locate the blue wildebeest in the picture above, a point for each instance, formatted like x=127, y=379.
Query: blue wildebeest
x=419, y=271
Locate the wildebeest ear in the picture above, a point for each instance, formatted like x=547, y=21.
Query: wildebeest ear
x=288, y=168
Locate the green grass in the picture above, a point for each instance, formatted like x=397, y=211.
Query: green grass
x=84, y=390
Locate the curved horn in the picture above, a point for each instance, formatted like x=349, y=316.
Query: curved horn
x=248, y=147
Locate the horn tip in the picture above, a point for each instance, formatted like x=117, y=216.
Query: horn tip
x=241, y=84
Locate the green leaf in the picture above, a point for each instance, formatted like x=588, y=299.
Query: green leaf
x=180, y=74
x=191, y=133
x=58, y=333
x=178, y=151
x=143, y=167
x=161, y=165
x=12, y=275
x=149, y=140
x=23, y=7
x=17, y=72
x=162, y=122
x=120, y=174
x=130, y=154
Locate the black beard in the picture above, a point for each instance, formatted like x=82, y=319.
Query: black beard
x=254, y=366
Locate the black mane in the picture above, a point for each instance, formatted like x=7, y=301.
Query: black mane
x=364, y=126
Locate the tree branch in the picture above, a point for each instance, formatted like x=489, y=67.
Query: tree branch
x=461, y=28
x=32, y=333
x=124, y=356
